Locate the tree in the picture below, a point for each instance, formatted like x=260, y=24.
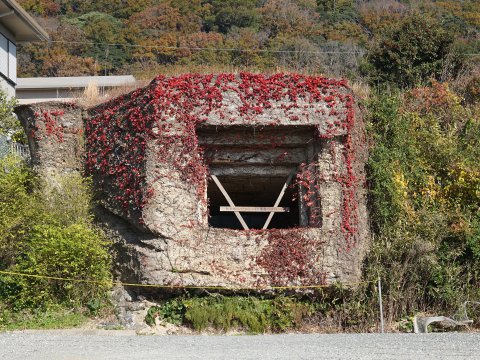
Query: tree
x=58, y=62
x=118, y=8
x=410, y=53
x=156, y=29
x=287, y=17
x=244, y=40
x=9, y=124
x=42, y=7
x=102, y=29
x=232, y=13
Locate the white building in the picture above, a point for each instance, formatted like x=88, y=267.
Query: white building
x=15, y=26
x=33, y=90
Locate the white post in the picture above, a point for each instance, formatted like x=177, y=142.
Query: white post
x=380, y=305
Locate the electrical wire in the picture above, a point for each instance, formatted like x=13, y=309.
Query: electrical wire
x=111, y=283
x=203, y=48
x=194, y=48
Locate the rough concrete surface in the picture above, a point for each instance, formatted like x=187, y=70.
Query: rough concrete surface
x=162, y=232
x=55, y=137
x=59, y=346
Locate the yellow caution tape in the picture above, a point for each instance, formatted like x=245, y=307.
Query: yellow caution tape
x=292, y=287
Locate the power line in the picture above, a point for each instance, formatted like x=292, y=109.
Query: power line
x=217, y=49
x=204, y=48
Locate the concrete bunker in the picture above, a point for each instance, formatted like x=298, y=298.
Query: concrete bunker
x=154, y=155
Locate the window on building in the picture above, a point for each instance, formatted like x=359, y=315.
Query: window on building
x=12, y=62
x=8, y=59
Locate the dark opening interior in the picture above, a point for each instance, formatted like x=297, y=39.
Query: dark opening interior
x=252, y=191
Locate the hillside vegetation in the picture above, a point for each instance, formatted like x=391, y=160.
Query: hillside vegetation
x=146, y=37
x=415, y=68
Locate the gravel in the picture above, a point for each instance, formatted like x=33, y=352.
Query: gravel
x=54, y=345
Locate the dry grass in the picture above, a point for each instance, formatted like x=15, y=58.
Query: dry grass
x=361, y=90
x=93, y=95
x=91, y=92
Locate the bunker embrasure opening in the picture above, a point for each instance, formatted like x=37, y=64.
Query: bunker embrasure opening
x=253, y=181
x=254, y=197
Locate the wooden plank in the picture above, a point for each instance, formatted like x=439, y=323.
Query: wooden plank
x=250, y=170
x=247, y=156
x=241, y=136
x=230, y=202
x=280, y=196
x=254, y=209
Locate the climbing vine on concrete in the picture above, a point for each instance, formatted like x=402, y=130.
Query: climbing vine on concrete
x=290, y=258
x=52, y=128
x=49, y=125
x=160, y=121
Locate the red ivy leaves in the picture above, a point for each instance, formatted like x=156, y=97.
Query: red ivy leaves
x=51, y=125
x=162, y=118
x=290, y=257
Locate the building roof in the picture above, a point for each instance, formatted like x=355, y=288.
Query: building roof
x=73, y=82
x=22, y=25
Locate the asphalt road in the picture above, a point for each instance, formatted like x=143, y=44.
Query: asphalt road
x=58, y=345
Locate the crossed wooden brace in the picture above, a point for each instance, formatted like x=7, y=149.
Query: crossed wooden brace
x=237, y=209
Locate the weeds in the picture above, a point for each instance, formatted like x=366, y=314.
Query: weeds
x=251, y=314
x=47, y=230
x=55, y=318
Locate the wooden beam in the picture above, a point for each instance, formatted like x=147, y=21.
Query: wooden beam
x=247, y=156
x=280, y=196
x=250, y=170
x=245, y=136
x=254, y=209
x=230, y=202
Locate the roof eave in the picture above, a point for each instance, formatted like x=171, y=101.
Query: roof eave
x=37, y=32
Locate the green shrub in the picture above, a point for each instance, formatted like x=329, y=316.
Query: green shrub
x=16, y=207
x=424, y=180
x=172, y=311
x=9, y=123
x=73, y=252
x=410, y=53
x=66, y=200
x=54, y=318
x=252, y=314
x=47, y=230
